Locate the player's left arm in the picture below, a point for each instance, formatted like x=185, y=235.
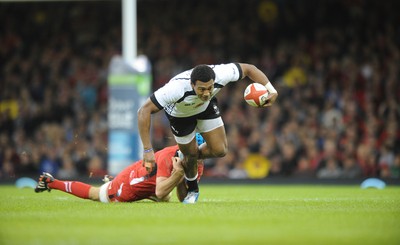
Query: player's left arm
x=181, y=190
x=256, y=75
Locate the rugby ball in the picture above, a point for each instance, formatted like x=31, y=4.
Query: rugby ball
x=256, y=95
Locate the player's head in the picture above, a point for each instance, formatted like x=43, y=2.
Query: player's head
x=202, y=79
x=202, y=73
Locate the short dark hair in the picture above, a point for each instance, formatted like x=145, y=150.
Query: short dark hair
x=202, y=73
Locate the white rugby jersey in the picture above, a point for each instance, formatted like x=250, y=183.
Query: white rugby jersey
x=178, y=98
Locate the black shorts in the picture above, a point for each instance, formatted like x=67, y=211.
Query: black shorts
x=182, y=126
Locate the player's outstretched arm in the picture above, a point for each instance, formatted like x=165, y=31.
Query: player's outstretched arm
x=258, y=76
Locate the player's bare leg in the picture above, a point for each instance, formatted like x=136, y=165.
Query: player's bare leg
x=94, y=193
x=190, y=152
x=216, y=144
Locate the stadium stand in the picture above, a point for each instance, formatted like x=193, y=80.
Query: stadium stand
x=334, y=63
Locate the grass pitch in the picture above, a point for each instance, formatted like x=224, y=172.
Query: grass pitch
x=225, y=214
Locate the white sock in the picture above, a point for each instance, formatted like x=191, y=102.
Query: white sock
x=191, y=179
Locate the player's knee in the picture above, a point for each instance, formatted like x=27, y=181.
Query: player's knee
x=94, y=193
x=220, y=152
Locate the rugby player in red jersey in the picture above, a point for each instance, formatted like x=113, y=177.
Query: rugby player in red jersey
x=134, y=183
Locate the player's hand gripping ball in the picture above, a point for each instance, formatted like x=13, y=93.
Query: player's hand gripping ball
x=256, y=95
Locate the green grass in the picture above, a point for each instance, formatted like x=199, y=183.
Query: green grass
x=235, y=214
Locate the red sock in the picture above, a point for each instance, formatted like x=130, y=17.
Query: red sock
x=76, y=188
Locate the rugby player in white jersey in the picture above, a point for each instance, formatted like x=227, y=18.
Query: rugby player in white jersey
x=189, y=102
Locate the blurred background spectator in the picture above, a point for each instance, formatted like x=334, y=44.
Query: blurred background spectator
x=335, y=64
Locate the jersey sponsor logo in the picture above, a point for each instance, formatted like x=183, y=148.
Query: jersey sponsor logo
x=199, y=105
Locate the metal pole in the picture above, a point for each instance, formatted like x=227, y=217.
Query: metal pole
x=129, y=42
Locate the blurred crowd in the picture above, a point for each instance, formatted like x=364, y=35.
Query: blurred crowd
x=335, y=65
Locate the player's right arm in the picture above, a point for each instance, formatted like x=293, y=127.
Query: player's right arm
x=144, y=122
x=165, y=185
